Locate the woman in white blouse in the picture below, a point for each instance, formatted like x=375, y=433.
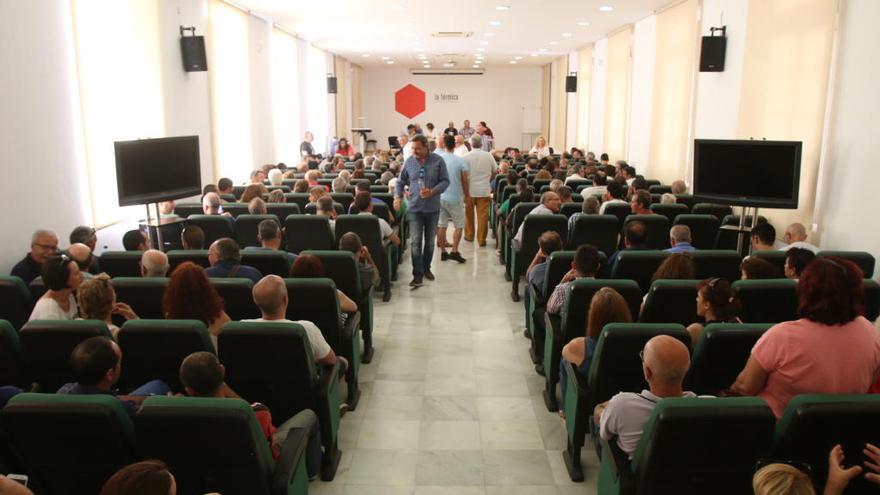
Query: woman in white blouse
x=62, y=277
x=540, y=149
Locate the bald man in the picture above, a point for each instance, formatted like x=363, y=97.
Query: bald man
x=154, y=264
x=665, y=362
x=796, y=237
x=82, y=254
x=270, y=295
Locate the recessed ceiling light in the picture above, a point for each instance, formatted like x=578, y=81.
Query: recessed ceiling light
x=397, y=8
x=385, y=58
x=484, y=42
x=427, y=67
x=390, y=62
x=475, y=66
x=481, y=49
x=502, y=7
x=365, y=55
x=553, y=43
x=566, y=35
x=449, y=65
x=583, y=23
x=513, y=61
x=518, y=57
x=494, y=23
x=489, y=34
x=534, y=54
x=542, y=49
x=606, y=8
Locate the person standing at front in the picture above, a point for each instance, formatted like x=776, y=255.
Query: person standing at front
x=426, y=177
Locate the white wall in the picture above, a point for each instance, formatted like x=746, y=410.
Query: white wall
x=499, y=97
x=40, y=151
x=597, y=96
x=845, y=220
x=260, y=62
x=571, y=116
x=642, y=94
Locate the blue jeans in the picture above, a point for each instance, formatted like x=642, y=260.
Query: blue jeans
x=422, y=227
x=154, y=387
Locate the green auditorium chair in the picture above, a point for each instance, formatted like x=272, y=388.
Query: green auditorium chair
x=184, y=210
x=727, y=239
x=273, y=364
x=872, y=299
x=716, y=210
x=660, y=189
x=685, y=199
x=863, y=259
x=312, y=209
x=237, y=191
x=144, y=295
x=299, y=199
x=16, y=302
x=246, y=229
x=197, y=256
x=69, y=444
x=709, y=263
x=704, y=229
x=518, y=213
x=774, y=257
x=767, y=301
x=302, y=232
x=656, y=229
x=692, y=446
x=600, y=231
x=533, y=227
x=385, y=256
x=282, y=210
x=574, y=184
x=341, y=267
x=569, y=209
x=267, y=262
x=814, y=423
x=238, y=299
x=616, y=367
x=13, y=370
x=214, y=226
x=720, y=354
x=154, y=349
x=671, y=301
x=315, y=300
x=345, y=199
x=121, y=263
x=620, y=211
x=238, y=461
x=638, y=265
x=572, y=322
x=47, y=344
x=670, y=211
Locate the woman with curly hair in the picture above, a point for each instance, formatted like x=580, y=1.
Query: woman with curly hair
x=253, y=191
x=97, y=301
x=190, y=296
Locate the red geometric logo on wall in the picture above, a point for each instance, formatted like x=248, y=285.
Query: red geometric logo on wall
x=409, y=101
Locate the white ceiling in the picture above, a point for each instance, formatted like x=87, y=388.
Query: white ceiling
x=399, y=30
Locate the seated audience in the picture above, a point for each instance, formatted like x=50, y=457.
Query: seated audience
x=225, y=186
x=225, y=259
x=635, y=238
x=754, y=268
x=548, y=243
x=641, y=203
x=584, y=265
x=339, y=184
x=310, y=266
x=316, y=193
x=680, y=239
x=575, y=174
x=665, y=362
x=763, y=237
x=270, y=235
x=550, y=204
x=796, y=259
x=326, y=208
x=606, y=306
x=599, y=187
x=367, y=269
x=565, y=193
x=209, y=188
x=796, y=237
x=613, y=195
x=62, y=277
x=252, y=191
x=524, y=194
x=84, y=235
x=301, y=186
x=202, y=375
x=211, y=206
x=135, y=240
x=782, y=479
x=715, y=304
x=193, y=238
x=154, y=263
x=150, y=477
x=257, y=206
x=166, y=210
x=679, y=187
x=628, y=173
x=364, y=204
x=676, y=266
x=275, y=177
x=97, y=366
x=82, y=255
x=97, y=301
x=555, y=184
x=832, y=349
x=189, y=295
x=257, y=177
x=276, y=196
x=668, y=199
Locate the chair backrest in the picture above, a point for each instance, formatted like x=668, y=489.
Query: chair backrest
x=12, y=366
x=267, y=262
x=704, y=229
x=721, y=354
x=121, y=263
x=345, y=199
x=767, y=301
x=576, y=312
x=674, y=456
x=270, y=363
x=16, y=302
x=283, y=210
x=237, y=295
x=312, y=209
x=197, y=256
x=638, y=265
x=872, y=299
x=154, y=350
x=299, y=199
x=864, y=259
x=558, y=265
x=341, y=267
x=144, y=295
x=367, y=228
x=670, y=211
x=184, y=210
x=569, y=209
x=716, y=210
x=246, y=228
x=236, y=209
x=620, y=211
x=518, y=213
x=533, y=227
x=671, y=301
x=314, y=300
x=814, y=423
x=302, y=232
x=237, y=191
x=46, y=346
x=659, y=189
x=774, y=257
x=710, y=263
x=685, y=199
x=214, y=226
x=657, y=229
x=599, y=230
x=70, y=443
x=616, y=366
x=727, y=239
x=237, y=461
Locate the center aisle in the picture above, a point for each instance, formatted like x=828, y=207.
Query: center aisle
x=451, y=403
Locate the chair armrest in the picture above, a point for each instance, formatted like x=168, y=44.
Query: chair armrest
x=290, y=468
x=618, y=463
x=352, y=324
x=327, y=380
x=538, y=302
x=553, y=324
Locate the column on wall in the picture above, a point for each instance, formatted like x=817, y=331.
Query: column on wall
x=617, y=92
x=317, y=108
x=545, y=101
x=343, y=129
x=357, y=111
x=785, y=79
x=559, y=99
x=584, y=74
x=285, y=97
x=676, y=51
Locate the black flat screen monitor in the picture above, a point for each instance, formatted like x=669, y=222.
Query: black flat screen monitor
x=153, y=170
x=762, y=174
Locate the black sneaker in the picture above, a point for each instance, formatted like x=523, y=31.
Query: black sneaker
x=455, y=255
x=444, y=256
x=416, y=282
x=429, y=275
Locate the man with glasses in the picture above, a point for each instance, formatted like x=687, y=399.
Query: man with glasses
x=665, y=362
x=44, y=244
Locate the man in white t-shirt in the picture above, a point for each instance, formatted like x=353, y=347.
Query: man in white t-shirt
x=406, y=146
x=461, y=148
x=613, y=194
x=363, y=201
x=796, y=237
x=482, y=170
x=270, y=295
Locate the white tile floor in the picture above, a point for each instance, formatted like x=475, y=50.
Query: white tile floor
x=451, y=403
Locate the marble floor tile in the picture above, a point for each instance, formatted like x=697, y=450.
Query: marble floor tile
x=449, y=435
x=388, y=435
x=383, y=467
x=494, y=385
x=450, y=384
x=398, y=387
x=516, y=467
x=450, y=490
x=510, y=435
x=449, y=467
x=449, y=408
x=498, y=408
x=392, y=407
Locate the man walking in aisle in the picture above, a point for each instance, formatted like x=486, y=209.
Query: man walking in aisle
x=482, y=171
x=452, y=200
x=423, y=179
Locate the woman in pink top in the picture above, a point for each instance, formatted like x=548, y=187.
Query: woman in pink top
x=832, y=349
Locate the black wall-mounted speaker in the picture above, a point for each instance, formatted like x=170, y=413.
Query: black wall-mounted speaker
x=331, y=85
x=193, y=50
x=571, y=84
x=712, y=53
